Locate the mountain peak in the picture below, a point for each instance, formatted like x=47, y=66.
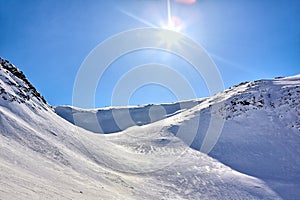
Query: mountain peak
x=259, y=142
x=15, y=87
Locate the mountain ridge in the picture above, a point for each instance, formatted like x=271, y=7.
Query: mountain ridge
x=44, y=156
x=261, y=132
x=20, y=90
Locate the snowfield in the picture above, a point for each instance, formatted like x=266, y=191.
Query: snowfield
x=152, y=156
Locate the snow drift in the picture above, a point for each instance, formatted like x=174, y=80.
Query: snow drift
x=260, y=136
x=43, y=156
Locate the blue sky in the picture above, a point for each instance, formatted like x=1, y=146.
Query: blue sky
x=49, y=40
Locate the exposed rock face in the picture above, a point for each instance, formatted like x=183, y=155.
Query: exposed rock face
x=14, y=86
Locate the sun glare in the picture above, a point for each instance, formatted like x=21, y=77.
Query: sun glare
x=174, y=24
x=169, y=39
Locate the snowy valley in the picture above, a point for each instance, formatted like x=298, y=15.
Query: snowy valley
x=163, y=152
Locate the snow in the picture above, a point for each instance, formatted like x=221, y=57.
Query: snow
x=43, y=156
x=261, y=132
x=103, y=120
x=52, y=159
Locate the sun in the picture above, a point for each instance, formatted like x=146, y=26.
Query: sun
x=174, y=24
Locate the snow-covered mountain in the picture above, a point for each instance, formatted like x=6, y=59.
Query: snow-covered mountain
x=105, y=117
x=16, y=88
x=43, y=156
x=260, y=136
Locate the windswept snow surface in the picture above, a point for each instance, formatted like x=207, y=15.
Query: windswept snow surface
x=260, y=136
x=42, y=156
x=103, y=120
x=261, y=133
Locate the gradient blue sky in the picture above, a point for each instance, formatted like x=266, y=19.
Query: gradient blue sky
x=49, y=40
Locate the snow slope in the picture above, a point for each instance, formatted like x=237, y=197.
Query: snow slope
x=102, y=120
x=42, y=156
x=260, y=136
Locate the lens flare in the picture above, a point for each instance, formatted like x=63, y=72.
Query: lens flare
x=186, y=1
x=174, y=24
